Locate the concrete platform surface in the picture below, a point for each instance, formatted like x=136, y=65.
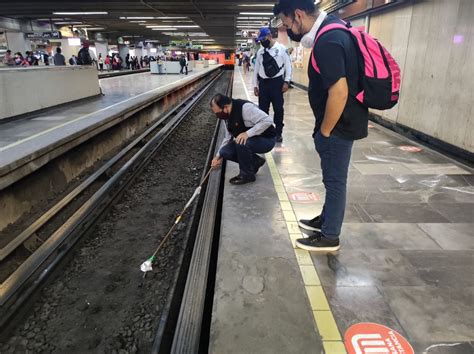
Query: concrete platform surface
x=406, y=260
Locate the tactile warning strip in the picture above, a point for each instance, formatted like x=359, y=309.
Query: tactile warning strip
x=324, y=320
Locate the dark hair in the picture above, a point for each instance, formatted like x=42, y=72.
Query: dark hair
x=221, y=100
x=58, y=50
x=9, y=51
x=288, y=7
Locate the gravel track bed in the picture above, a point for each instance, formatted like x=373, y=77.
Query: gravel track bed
x=95, y=304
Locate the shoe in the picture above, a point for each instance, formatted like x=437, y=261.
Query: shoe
x=279, y=139
x=239, y=180
x=258, y=162
x=317, y=242
x=311, y=225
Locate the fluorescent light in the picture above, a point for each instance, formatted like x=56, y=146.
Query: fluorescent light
x=186, y=26
x=81, y=13
x=256, y=5
x=169, y=18
x=163, y=29
x=68, y=23
x=95, y=29
x=139, y=21
x=257, y=13
x=137, y=18
x=158, y=26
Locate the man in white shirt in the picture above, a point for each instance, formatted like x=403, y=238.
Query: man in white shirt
x=250, y=132
x=272, y=76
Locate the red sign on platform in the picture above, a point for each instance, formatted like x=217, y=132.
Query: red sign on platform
x=365, y=338
x=409, y=148
x=304, y=197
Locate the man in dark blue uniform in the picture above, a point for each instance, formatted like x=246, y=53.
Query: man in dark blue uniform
x=340, y=118
x=271, y=78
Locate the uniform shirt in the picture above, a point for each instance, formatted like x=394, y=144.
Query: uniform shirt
x=337, y=57
x=255, y=119
x=278, y=51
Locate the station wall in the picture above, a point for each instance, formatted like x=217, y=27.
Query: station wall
x=433, y=42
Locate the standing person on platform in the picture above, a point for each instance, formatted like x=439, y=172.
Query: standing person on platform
x=59, y=59
x=73, y=60
x=84, y=57
x=107, y=62
x=271, y=78
x=184, y=64
x=8, y=59
x=250, y=131
x=340, y=118
x=100, y=60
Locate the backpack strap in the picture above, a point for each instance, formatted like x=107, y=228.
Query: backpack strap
x=324, y=30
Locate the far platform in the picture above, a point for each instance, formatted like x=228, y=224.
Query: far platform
x=407, y=255
x=25, y=139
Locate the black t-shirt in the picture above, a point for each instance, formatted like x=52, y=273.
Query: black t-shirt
x=337, y=57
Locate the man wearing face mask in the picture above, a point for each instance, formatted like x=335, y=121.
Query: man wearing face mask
x=250, y=131
x=340, y=118
x=272, y=76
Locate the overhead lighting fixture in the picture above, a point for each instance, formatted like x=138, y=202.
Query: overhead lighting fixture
x=95, y=28
x=137, y=18
x=177, y=21
x=81, y=13
x=139, y=21
x=68, y=23
x=256, y=5
x=170, y=18
x=257, y=13
x=186, y=26
x=163, y=29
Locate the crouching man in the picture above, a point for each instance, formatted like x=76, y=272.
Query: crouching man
x=250, y=131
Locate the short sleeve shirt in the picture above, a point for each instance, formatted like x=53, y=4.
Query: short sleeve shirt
x=337, y=57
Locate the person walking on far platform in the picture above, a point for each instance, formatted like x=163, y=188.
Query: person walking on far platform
x=250, y=131
x=271, y=77
x=340, y=118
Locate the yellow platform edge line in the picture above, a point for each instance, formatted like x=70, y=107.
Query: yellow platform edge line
x=322, y=313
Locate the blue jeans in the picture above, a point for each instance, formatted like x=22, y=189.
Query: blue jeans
x=335, y=154
x=244, y=154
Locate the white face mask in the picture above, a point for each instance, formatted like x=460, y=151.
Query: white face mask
x=308, y=39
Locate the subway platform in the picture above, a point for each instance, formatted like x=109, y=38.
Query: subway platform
x=29, y=143
x=406, y=260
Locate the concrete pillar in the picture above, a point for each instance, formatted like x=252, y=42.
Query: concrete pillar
x=102, y=48
x=17, y=43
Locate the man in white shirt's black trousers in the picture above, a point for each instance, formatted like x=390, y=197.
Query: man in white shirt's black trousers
x=272, y=76
x=250, y=131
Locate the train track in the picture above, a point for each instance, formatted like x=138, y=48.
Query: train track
x=108, y=183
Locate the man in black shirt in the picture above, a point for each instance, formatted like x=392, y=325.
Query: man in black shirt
x=340, y=118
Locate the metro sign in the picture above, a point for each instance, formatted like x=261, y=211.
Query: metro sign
x=370, y=338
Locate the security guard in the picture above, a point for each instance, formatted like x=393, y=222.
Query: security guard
x=272, y=76
x=250, y=131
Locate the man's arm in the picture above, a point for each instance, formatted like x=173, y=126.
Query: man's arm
x=337, y=99
x=255, y=73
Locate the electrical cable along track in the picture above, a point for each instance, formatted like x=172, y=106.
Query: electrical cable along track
x=53, y=235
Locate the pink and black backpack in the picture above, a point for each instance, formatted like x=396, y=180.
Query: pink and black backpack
x=381, y=79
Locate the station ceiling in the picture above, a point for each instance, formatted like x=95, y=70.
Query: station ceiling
x=210, y=22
